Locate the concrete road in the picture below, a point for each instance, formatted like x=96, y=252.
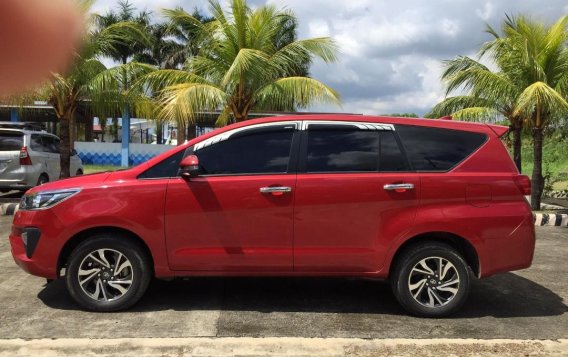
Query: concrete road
x=528, y=304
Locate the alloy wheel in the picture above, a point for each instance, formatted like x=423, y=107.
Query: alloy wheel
x=105, y=275
x=433, y=282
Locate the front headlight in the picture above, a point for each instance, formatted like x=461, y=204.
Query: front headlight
x=46, y=199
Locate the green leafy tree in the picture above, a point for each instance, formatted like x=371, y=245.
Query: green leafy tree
x=529, y=87
x=87, y=80
x=538, y=53
x=239, y=66
x=162, y=53
x=122, y=52
x=402, y=115
x=489, y=96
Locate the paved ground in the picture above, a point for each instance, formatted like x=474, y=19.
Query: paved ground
x=529, y=304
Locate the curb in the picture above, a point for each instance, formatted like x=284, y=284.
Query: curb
x=279, y=346
x=550, y=219
x=9, y=209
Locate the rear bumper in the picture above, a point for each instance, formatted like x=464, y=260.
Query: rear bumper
x=24, y=178
x=514, y=251
x=43, y=259
x=20, y=186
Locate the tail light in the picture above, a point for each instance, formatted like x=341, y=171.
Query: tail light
x=523, y=183
x=25, y=158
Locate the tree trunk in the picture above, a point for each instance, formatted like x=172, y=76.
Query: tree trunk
x=89, y=128
x=537, y=185
x=159, y=132
x=65, y=145
x=191, y=131
x=115, y=130
x=181, y=132
x=517, y=131
x=72, y=132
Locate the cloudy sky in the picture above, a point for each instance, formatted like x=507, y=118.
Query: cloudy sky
x=391, y=51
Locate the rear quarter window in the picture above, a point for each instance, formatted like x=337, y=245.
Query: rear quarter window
x=11, y=141
x=437, y=149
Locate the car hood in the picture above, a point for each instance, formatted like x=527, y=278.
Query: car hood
x=73, y=182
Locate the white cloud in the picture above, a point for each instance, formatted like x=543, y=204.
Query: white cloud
x=391, y=51
x=486, y=12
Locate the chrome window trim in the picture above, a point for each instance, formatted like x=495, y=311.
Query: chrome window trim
x=226, y=135
x=298, y=125
x=359, y=125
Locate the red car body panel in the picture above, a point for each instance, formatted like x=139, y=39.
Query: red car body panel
x=329, y=224
x=234, y=227
x=343, y=223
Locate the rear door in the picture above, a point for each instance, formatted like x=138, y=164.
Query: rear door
x=11, y=142
x=40, y=156
x=51, y=144
x=353, y=196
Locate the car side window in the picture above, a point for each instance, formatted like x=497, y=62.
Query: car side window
x=55, y=145
x=340, y=148
x=391, y=158
x=36, y=143
x=166, y=168
x=437, y=149
x=264, y=150
x=48, y=144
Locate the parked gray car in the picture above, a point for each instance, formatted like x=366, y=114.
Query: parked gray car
x=29, y=158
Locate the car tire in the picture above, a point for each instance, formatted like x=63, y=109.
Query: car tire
x=43, y=178
x=431, y=279
x=108, y=272
x=79, y=172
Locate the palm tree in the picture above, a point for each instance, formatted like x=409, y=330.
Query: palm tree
x=103, y=124
x=481, y=102
x=185, y=34
x=239, y=67
x=529, y=88
x=538, y=54
x=122, y=52
x=88, y=80
x=165, y=52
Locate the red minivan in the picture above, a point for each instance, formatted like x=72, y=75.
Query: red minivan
x=426, y=204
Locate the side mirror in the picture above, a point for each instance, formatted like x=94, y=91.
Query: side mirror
x=73, y=152
x=189, y=167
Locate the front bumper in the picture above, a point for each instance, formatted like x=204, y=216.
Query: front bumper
x=43, y=259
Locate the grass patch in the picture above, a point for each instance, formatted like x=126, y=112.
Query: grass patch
x=554, y=163
x=91, y=169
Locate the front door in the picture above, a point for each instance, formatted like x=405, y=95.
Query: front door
x=238, y=214
x=353, y=197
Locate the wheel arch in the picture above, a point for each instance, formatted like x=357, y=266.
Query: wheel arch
x=43, y=173
x=82, y=236
x=462, y=245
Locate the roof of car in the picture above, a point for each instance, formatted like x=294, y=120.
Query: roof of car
x=26, y=131
x=437, y=123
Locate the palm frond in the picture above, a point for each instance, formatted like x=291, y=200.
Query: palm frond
x=183, y=101
x=249, y=63
x=478, y=114
x=291, y=91
x=451, y=105
x=538, y=100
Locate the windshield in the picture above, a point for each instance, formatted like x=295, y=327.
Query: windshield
x=11, y=141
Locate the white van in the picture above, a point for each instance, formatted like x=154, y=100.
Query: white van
x=29, y=158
